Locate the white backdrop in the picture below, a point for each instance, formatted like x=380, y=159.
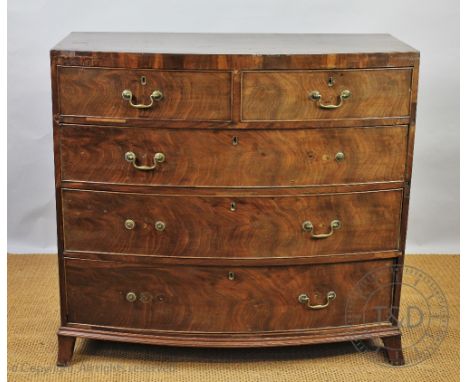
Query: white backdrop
x=432, y=26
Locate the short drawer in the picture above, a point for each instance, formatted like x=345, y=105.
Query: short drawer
x=144, y=94
x=318, y=95
x=226, y=158
x=218, y=226
x=227, y=299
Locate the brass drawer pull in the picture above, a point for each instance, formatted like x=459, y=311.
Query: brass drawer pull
x=160, y=226
x=316, y=96
x=309, y=227
x=157, y=159
x=339, y=156
x=129, y=224
x=131, y=297
x=127, y=95
x=304, y=299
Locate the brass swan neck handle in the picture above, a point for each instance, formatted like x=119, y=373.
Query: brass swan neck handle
x=156, y=95
x=316, y=96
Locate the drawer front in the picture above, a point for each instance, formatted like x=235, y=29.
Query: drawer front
x=229, y=158
x=98, y=92
x=318, y=95
x=250, y=226
x=227, y=299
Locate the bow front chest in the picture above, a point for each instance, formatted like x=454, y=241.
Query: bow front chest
x=232, y=190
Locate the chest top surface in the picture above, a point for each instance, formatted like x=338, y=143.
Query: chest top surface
x=236, y=44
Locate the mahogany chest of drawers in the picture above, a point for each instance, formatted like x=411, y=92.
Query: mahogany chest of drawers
x=232, y=190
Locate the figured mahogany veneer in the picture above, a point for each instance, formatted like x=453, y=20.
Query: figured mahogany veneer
x=264, y=226
x=97, y=92
x=223, y=299
x=284, y=95
x=226, y=158
x=265, y=209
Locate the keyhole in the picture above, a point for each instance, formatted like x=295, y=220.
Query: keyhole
x=235, y=141
x=331, y=81
x=143, y=80
x=231, y=276
x=233, y=206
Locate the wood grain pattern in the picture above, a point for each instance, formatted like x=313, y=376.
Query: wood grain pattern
x=66, y=346
x=151, y=260
x=231, y=340
x=57, y=188
x=237, y=191
x=263, y=44
x=235, y=51
x=284, y=95
x=209, y=158
x=234, y=124
x=206, y=227
x=204, y=299
x=405, y=207
x=394, y=350
x=236, y=62
x=97, y=92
